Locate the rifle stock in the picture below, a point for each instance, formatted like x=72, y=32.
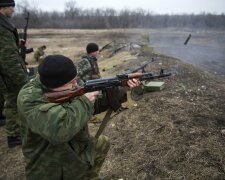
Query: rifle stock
x=63, y=96
x=99, y=84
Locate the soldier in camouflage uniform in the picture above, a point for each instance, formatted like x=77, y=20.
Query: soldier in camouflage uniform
x=88, y=66
x=88, y=69
x=13, y=73
x=56, y=139
x=39, y=54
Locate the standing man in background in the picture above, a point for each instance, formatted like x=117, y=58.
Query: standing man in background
x=13, y=72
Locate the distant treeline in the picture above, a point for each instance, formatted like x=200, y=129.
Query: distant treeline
x=78, y=18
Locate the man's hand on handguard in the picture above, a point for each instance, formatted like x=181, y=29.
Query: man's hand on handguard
x=92, y=96
x=133, y=82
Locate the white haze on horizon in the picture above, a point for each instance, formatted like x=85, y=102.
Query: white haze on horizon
x=154, y=6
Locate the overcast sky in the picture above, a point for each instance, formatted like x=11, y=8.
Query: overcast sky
x=156, y=6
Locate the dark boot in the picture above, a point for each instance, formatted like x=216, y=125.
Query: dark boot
x=14, y=141
x=2, y=119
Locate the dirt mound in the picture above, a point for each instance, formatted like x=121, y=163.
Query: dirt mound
x=172, y=134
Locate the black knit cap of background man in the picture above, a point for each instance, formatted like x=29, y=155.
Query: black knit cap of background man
x=91, y=47
x=7, y=3
x=56, y=70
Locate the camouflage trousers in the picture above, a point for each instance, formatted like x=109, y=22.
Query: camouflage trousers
x=10, y=110
x=101, y=150
x=113, y=100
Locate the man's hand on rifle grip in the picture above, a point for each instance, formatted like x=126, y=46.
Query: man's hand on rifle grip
x=92, y=96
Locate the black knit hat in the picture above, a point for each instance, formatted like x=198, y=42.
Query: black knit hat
x=7, y=3
x=56, y=70
x=91, y=47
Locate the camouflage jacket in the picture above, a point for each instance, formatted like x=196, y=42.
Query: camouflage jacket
x=87, y=69
x=13, y=73
x=38, y=53
x=56, y=140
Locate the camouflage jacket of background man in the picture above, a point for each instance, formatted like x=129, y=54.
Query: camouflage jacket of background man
x=56, y=140
x=87, y=69
x=38, y=53
x=13, y=73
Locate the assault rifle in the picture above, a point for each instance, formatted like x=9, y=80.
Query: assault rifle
x=100, y=84
x=118, y=49
x=142, y=68
x=23, y=48
x=114, y=51
x=105, y=46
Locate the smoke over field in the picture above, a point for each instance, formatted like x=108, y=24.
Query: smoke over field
x=205, y=49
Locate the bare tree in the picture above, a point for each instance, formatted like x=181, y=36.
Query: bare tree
x=71, y=9
x=75, y=17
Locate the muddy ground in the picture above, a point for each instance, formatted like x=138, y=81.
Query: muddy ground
x=175, y=133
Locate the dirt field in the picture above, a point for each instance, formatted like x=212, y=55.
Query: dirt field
x=175, y=133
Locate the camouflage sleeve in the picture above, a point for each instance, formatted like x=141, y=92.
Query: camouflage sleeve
x=38, y=53
x=83, y=67
x=11, y=62
x=42, y=53
x=59, y=123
